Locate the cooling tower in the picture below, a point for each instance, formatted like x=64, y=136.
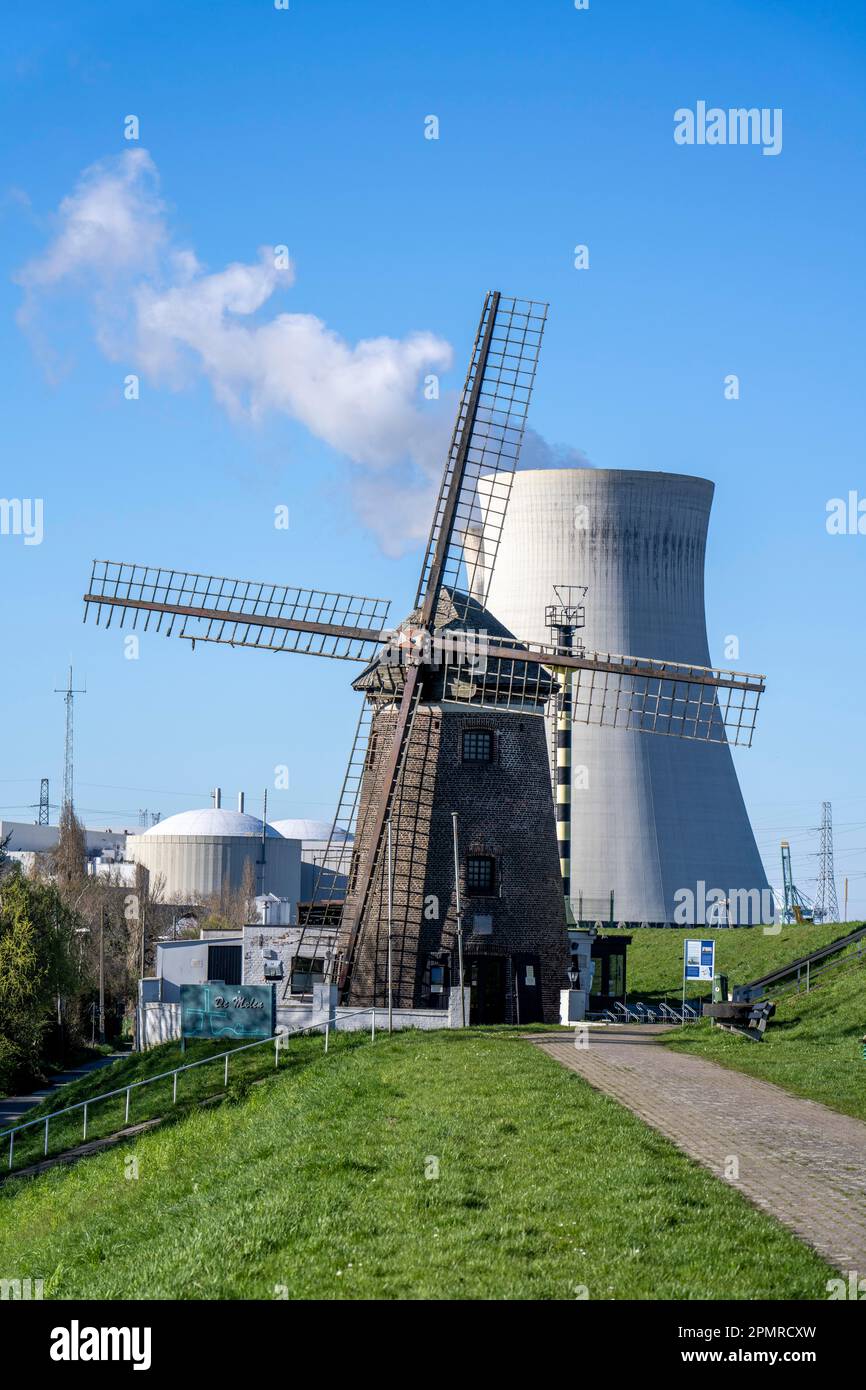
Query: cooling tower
x=657, y=821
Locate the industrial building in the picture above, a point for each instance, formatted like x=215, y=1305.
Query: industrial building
x=205, y=854
x=322, y=856
x=657, y=823
x=26, y=840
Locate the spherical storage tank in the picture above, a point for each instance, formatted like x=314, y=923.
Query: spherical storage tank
x=203, y=854
x=651, y=815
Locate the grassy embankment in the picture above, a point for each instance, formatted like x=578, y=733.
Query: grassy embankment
x=153, y=1101
x=811, y=1047
x=445, y=1165
x=655, y=956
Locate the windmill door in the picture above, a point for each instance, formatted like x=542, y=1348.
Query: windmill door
x=487, y=979
x=527, y=989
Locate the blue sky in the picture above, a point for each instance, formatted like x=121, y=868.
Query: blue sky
x=305, y=128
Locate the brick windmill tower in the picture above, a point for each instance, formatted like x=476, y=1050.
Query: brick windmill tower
x=450, y=722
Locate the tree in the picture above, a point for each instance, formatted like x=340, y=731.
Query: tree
x=68, y=860
x=37, y=965
x=141, y=915
x=248, y=893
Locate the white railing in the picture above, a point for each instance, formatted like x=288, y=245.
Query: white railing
x=277, y=1039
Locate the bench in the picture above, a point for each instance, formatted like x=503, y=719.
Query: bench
x=749, y=1020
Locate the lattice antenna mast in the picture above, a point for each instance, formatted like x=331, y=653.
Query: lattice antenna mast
x=825, y=899
x=69, y=696
x=43, y=801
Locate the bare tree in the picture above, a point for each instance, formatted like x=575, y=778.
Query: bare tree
x=68, y=859
x=141, y=912
x=248, y=892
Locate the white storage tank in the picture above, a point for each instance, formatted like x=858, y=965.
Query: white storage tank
x=204, y=854
x=315, y=836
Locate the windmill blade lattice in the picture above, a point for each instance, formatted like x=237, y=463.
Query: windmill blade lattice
x=627, y=692
x=660, y=697
x=237, y=612
x=486, y=443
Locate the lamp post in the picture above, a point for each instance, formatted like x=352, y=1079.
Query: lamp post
x=102, y=973
x=459, y=919
x=390, y=930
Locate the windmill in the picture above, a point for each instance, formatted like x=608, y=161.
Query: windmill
x=448, y=687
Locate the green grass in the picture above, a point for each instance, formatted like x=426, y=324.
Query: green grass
x=811, y=1046
x=52, y=1067
x=314, y=1186
x=655, y=956
x=149, y=1102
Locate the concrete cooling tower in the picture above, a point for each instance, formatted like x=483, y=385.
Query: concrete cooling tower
x=658, y=822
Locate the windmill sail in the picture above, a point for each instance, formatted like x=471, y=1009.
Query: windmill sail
x=486, y=443
x=627, y=692
x=238, y=612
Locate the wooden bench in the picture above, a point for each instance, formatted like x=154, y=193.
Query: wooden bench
x=749, y=1020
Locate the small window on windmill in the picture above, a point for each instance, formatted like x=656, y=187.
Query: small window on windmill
x=273, y=966
x=482, y=924
x=477, y=746
x=480, y=875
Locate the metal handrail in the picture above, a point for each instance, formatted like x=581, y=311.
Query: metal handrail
x=175, y=1071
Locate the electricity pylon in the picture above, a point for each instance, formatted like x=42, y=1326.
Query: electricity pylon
x=825, y=897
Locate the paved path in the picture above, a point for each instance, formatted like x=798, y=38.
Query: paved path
x=799, y=1161
x=13, y=1108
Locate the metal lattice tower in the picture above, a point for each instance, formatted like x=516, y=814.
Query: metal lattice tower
x=43, y=801
x=563, y=619
x=825, y=896
x=69, y=696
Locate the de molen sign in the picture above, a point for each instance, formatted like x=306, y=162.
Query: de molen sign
x=216, y=1010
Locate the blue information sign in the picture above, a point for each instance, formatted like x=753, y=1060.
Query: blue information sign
x=699, y=959
x=216, y=1010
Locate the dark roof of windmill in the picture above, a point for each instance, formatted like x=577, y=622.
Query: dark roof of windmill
x=386, y=677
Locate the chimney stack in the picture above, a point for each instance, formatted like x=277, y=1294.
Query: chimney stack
x=217, y=795
x=240, y=801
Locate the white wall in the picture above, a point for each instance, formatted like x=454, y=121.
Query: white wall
x=185, y=963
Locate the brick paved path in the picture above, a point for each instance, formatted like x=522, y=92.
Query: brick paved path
x=799, y=1161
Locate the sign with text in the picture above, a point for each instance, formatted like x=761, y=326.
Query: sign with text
x=216, y=1010
x=699, y=959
